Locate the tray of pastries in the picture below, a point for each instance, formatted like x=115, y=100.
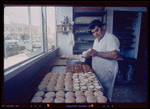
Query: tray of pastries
x=87, y=96
x=69, y=82
x=70, y=87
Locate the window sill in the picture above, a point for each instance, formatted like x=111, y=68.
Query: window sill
x=14, y=70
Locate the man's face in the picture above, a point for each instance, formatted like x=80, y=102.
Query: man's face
x=97, y=32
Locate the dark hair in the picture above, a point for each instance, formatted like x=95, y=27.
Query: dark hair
x=95, y=23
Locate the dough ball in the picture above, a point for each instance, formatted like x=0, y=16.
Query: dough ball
x=70, y=100
x=60, y=94
x=98, y=93
x=102, y=99
x=47, y=100
x=36, y=100
x=69, y=94
x=91, y=99
x=50, y=94
x=39, y=94
x=59, y=100
x=80, y=99
x=88, y=93
x=79, y=93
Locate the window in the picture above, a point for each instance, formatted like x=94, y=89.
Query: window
x=22, y=34
x=51, y=31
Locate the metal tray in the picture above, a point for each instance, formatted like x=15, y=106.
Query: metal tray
x=65, y=93
x=68, y=90
x=46, y=91
x=75, y=60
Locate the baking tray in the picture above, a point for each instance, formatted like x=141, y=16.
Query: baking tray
x=64, y=96
x=46, y=91
x=52, y=69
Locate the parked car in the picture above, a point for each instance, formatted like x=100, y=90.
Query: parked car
x=11, y=48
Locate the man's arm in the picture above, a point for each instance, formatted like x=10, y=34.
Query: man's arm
x=112, y=55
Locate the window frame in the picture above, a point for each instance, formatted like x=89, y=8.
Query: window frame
x=13, y=70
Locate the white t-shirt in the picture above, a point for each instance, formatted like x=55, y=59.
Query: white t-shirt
x=108, y=43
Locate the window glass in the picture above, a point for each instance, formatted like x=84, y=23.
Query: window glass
x=36, y=31
x=22, y=40
x=51, y=31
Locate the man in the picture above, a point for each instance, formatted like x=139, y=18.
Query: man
x=104, y=55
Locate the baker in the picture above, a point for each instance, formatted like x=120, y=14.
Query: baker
x=104, y=53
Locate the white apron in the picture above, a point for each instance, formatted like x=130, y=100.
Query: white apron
x=105, y=69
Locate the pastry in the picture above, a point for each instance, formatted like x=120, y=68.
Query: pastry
x=36, y=100
x=44, y=82
x=102, y=99
x=91, y=99
x=50, y=94
x=60, y=94
x=79, y=93
x=69, y=94
x=76, y=88
x=83, y=88
x=98, y=93
x=88, y=93
x=70, y=100
x=59, y=87
x=90, y=87
x=80, y=99
x=50, y=87
x=39, y=94
x=69, y=87
x=47, y=100
x=42, y=87
x=59, y=100
x=98, y=87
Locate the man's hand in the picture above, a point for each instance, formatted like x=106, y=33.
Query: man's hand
x=92, y=53
x=112, y=55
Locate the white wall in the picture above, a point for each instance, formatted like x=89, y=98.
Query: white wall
x=63, y=40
